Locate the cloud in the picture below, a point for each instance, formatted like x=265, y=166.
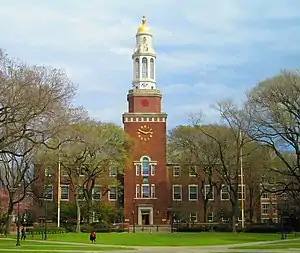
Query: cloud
x=206, y=50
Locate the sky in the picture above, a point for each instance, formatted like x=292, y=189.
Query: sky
x=207, y=51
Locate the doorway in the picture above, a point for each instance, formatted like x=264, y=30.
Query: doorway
x=146, y=219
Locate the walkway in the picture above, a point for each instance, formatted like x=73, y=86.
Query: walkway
x=168, y=249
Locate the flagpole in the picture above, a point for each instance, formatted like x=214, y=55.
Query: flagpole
x=242, y=181
x=58, y=190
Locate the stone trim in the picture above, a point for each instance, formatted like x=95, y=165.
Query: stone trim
x=147, y=117
x=144, y=92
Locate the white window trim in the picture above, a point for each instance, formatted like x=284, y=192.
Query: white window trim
x=212, y=191
x=174, y=170
x=228, y=192
x=137, y=169
x=212, y=215
x=113, y=186
x=196, y=220
x=173, y=191
x=93, y=192
x=113, y=172
x=192, y=171
x=193, y=185
x=152, y=169
x=82, y=194
x=49, y=185
x=94, y=218
x=137, y=191
x=152, y=192
x=61, y=186
x=262, y=205
x=142, y=192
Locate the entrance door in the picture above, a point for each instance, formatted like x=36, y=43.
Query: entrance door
x=145, y=217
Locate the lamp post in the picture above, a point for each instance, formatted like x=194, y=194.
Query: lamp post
x=48, y=175
x=18, y=224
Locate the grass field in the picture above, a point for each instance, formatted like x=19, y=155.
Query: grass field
x=47, y=247
x=164, y=239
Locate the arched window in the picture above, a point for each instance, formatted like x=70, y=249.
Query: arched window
x=144, y=67
x=152, y=68
x=137, y=68
x=145, y=166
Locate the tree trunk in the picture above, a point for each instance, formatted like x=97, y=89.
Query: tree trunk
x=78, y=215
x=8, y=218
x=234, y=206
x=251, y=207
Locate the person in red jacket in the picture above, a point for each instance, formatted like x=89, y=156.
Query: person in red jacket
x=93, y=236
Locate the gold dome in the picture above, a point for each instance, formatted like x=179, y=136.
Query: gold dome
x=144, y=28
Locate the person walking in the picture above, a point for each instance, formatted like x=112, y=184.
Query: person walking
x=93, y=236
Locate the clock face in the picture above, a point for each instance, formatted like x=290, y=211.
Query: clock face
x=145, y=133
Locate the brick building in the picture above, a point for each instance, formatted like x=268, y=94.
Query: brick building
x=153, y=189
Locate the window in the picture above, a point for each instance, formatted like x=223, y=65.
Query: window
x=97, y=192
x=137, y=169
x=137, y=68
x=265, y=195
x=209, y=192
x=265, y=208
x=274, y=209
x=192, y=171
x=193, y=216
x=176, y=171
x=225, y=195
x=64, y=194
x=152, y=68
x=210, y=217
x=112, y=194
x=145, y=166
x=145, y=191
x=95, y=217
x=48, y=192
x=152, y=167
x=112, y=171
x=144, y=67
x=137, y=191
x=80, y=194
x=240, y=192
x=193, y=192
x=153, y=194
x=177, y=192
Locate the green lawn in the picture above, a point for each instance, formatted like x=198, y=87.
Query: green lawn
x=293, y=244
x=35, y=246
x=166, y=239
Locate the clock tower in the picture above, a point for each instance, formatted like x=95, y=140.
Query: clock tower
x=146, y=196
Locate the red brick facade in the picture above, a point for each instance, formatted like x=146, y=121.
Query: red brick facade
x=146, y=125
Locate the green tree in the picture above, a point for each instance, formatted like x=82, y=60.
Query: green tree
x=93, y=149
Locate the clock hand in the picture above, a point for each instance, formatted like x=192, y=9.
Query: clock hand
x=143, y=132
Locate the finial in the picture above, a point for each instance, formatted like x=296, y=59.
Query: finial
x=144, y=20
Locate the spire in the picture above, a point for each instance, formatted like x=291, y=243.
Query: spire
x=144, y=58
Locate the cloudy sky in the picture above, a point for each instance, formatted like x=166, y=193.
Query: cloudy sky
x=207, y=50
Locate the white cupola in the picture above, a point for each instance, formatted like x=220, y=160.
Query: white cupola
x=144, y=59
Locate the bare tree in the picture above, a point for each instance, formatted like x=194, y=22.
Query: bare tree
x=230, y=139
x=197, y=153
x=35, y=105
x=275, y=122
